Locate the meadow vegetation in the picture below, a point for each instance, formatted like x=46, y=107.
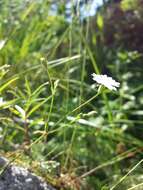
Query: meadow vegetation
x=54, y=118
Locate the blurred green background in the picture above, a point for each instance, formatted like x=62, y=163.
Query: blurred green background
x=48, y=51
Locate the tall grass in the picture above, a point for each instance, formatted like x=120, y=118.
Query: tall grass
x=50, y=108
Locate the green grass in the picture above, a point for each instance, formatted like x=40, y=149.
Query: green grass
x=51, y=109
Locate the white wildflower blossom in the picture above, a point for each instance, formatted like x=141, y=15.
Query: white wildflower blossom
x=106, y=81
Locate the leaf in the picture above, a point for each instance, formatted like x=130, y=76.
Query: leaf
x=7, y=84
x=128, y=5
x=38, y=90
x=38, y=106
x=6, y=104
x=100, y=22
x=21, y=111
x=27, y=85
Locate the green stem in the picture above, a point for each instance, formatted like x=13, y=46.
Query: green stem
x=85, y=103
x=126, y=175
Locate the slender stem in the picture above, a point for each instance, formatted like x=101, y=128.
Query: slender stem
x=27, y=139
x=108, y=163
x=77, y=108
x=101, y=166
x=50, y=111
x=110, y=116
x=126, y=175
x=85, y=103
x=52, y=101
x=70, y=147
x=134, y=187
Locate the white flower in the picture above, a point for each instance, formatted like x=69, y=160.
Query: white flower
x=106, y=81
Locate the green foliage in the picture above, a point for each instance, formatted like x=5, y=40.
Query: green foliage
x=100, y=23
x=129, y=4
x=52, y=112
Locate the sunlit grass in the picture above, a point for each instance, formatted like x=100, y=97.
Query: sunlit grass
x=51, y=110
